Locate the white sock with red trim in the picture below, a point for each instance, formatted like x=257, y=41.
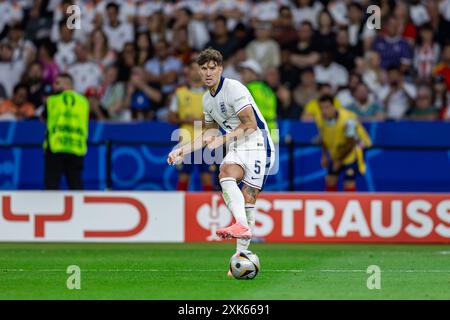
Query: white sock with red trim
x=243, y=244
x=234, y=199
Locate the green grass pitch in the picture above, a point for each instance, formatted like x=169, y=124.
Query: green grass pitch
x=198, y=271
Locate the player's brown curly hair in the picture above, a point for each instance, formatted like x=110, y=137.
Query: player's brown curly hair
x=208, y=55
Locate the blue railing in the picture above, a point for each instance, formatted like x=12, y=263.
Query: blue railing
x=406, y=157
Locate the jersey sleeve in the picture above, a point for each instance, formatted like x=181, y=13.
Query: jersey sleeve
x=239, y=97
x=207, y=116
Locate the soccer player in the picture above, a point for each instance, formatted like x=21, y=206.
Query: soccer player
x=185, y=108
x=343, y=139
x=250, y=156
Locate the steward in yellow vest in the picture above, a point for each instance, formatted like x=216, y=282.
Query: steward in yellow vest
x=65, y=144
x=343, y=140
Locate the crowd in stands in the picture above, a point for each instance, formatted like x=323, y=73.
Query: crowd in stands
x=129, y=56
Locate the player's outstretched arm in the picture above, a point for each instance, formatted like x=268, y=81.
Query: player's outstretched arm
x=178, y=154
x=248, y=126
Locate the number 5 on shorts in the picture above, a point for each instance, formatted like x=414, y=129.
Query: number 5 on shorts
x=257, y=166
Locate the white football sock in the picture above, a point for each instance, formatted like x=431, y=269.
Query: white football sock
x=242, y=244
x=234, y=199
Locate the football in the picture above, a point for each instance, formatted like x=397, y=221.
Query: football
x=244, y=265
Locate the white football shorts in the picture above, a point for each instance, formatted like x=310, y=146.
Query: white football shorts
x=255, y=156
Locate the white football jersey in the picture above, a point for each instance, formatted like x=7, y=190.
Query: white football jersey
x=224, y=107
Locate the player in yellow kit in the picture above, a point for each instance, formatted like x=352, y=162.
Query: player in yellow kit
x=186, y=107
x=343, y=140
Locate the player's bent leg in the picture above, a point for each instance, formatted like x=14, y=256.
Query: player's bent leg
x=234, y=199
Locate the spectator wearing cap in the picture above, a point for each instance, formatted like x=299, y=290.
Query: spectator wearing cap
x=85, y=73
x=423, y=108
x=118, y=32
x=397, y=94
x=330, y=72
x=265, y=98
x=393, y=49
x=364, y=105
x=264, y=50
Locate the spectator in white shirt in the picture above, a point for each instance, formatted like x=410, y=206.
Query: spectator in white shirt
x=65, y=53
x=197, y=32
x=397, y=94
x=264, y=49
x=118, y=32
x=10, y=70
x=265, y=10
x=306, y=10
x=86, y=74
x=330, y=72
x=163, y=68
x=11, y=13
x=23, y=48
